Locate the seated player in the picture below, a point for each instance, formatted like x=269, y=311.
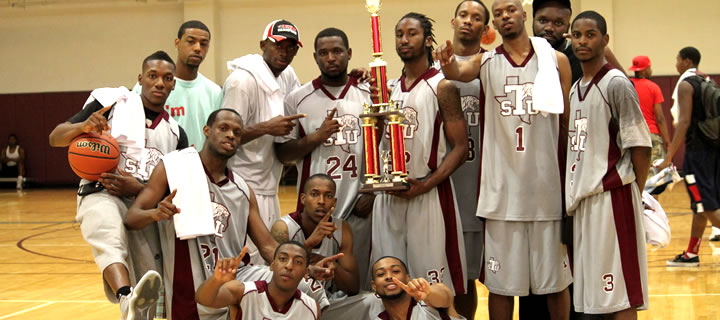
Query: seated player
x=278, y=299
x=12, y=161
x=187, y=263
x=406, y=298
x=123, y=256
x=322, y=235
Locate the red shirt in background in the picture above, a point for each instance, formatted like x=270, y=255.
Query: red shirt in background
x=649, y=94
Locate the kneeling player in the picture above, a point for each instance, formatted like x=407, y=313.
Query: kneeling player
x=320, y=235
x=278, y=299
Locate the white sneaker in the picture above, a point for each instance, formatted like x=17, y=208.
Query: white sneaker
x=715, y=234
x=144, y=296
x=124, y=306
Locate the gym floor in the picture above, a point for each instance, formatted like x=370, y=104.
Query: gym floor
x=46, y=268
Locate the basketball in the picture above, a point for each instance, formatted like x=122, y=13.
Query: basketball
x=92, y=154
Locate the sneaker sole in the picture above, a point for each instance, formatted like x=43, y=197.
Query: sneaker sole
x=145, y=293
x=683, y=264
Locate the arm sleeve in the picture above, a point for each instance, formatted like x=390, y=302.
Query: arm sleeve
x=182, y=140
x=240, y=94
x=87, y=111
x=623, y=99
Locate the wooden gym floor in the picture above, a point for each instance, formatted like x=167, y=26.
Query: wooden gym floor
x=46, y=269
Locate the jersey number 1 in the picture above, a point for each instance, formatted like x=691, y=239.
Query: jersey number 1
x=520, y=146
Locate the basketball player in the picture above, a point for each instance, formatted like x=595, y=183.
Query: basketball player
x=194, y=96
x=551, y=20
x=102, y=205
x=406, y=298
x=523, y=228
x=321, y=234
x=329, y=141
x=256, y=88
x=608, y=159
x=278, y=299
x=469, y=24
x=421, y=225
x=187, y=263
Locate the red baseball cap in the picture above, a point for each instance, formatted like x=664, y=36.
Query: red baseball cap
x=640, y=63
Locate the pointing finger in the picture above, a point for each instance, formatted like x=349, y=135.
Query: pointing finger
x=295, y=116
x=332, y=114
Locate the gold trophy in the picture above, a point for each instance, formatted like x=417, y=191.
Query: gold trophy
x=383, y=110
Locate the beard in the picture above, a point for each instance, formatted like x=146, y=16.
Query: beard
x=335, y=75
x=392, y=296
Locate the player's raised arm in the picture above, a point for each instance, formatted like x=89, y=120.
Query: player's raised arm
x=258, y=232
x=437, y=295
x=222, y=290
x=464, y=71
x=296, y=149
x=85, y=121
x=148, y=206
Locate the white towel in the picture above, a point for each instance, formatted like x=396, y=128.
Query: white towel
x=547, y=95
x=675, y=108
x=185, y=173
x=128, y=125
x=255, y=65
x=657, y=225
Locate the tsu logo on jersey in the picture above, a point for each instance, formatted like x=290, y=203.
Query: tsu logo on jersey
x=221, y=215
x=578, y=134
x=471, y=108
x=517, y=100
x=410, y=122
x=136, y=168
x=493, y=265
x=348, y=134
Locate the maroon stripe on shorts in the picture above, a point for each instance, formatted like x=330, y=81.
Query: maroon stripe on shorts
x=482, y=256
x=452, y=247
x=183, y=299
x=624, y=214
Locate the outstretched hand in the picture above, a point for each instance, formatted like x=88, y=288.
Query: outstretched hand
x=225, y=268
x=418, y=288
x=325, y=268
x=444, y=53
x=166, y=209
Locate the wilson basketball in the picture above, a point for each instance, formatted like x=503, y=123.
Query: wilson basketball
x=92, y=154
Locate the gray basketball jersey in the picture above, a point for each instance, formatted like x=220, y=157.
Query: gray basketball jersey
x=187, y=263
x=605, y=121
x=256, y=304
x=425, y=144
x=341, y=157
x=519, y=175
x=465, y=178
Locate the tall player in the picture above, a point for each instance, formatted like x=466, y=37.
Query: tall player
x=102, y=205
x=194, y=96
x=328, y=140
x=278, y=299
x=256, y=88
x=187, y=263
x=321, y=234
x=469, y=24
x=607, y=164
x=421, y=225
x=523, y=229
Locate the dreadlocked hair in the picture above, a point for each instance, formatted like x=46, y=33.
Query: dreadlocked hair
x=427, y=25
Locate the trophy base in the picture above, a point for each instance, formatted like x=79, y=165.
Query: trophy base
x=384, y=186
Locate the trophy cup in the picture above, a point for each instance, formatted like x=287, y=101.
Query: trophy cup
x=383, y=110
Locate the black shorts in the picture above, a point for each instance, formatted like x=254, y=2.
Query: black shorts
x=9, y=171
x=702, y=179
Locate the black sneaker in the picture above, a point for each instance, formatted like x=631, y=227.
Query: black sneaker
x=683, y=261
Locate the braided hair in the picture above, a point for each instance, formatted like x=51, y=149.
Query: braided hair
x=427, y=24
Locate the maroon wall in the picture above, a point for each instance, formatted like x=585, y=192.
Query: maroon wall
x=667, y=85
x=31, y=116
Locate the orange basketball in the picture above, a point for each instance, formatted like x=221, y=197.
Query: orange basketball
x=92, y=154
x=489, y=36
